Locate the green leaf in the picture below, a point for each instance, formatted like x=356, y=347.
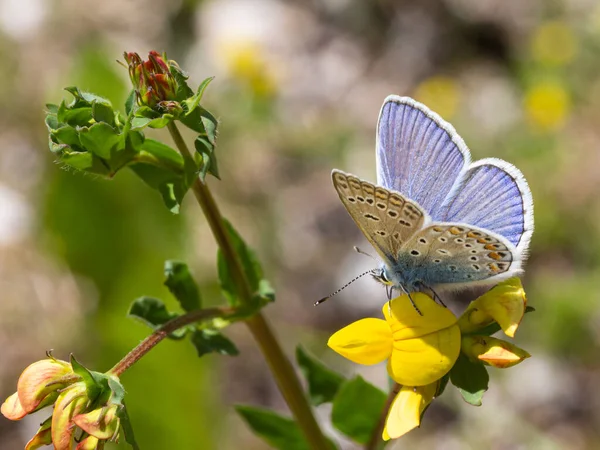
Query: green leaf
x=323, y=383
x=280, y=432
x=210, y=125
x=117, y=389
x=131, y=102
x=470, y=378
x=84, y=161
x=183, y=91
x=77, y=117
x=182, y=285
x=209, y=161
x=193, y=102
x=165, y=156
x=127, y=428
x=154, y=313
x=357, y=407
x=67, y=135
x=100, y=139
x=250, y=266
x=92, y=380
x=103, y=113
x=212, y=341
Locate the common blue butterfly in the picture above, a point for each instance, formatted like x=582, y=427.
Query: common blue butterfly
x=436, y=219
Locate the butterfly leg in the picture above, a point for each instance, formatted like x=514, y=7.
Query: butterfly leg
x=436, y=297
x=414, y=305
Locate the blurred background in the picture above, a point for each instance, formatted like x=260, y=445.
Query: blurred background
x=298, y=89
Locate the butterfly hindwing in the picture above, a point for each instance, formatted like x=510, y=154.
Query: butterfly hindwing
x=494, y=195
x=448, y=253
x=386, y=218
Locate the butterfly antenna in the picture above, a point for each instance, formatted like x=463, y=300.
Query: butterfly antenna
x=343, y=287
x=358, y=250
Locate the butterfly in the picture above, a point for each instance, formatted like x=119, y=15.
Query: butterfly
x=437, y=220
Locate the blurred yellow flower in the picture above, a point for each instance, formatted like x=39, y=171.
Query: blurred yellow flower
x=420, y=349
x=441, y=94
x=246, y=63
x=547, y=105
x=554, y=43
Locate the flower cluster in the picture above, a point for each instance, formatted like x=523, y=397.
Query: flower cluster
x=423, y=351
x=86, y=409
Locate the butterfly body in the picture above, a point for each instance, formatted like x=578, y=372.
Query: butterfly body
x=435, y=219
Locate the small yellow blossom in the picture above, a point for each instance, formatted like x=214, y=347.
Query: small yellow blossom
x=505, y=304
x=420, y=349
x=407, y=408
x=547, y=105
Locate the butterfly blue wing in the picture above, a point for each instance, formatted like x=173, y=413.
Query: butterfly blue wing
x=418, y=153
x=495, y=196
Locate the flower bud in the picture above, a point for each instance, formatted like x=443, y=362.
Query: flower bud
x=41, y=379
x=71, y=402
x=492, y=351
x=103, y=423
x=42, y=438
x=152, y=79
x=90, y=443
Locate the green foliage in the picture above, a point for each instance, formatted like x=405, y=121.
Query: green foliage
x=154, y=313
x=211, y=341
x=323, y=383
x=261, y=289
x=127, y=428
x=470, y=378
x=182, y=285
x=356, y=409
x=280, y=432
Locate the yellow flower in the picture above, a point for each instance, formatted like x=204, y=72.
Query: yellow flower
x=67, y=386
x=547, y=105
x=37, y=387
x=407, y=408
x=492, y=351
x=420, y=349
x=505, y=304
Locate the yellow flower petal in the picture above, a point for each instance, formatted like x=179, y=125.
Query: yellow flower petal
x=492, y=351
x=38, y=380
x=102, y=423
x=42, y=438
x=505, y=303
x=423, y=360
x=12, y=408
x=70, y=403
x=405, y=412
x=367, y=341
x=407, y=323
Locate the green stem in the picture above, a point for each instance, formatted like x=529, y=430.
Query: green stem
x=278, y=363
x=376, y=441
x=151, y=341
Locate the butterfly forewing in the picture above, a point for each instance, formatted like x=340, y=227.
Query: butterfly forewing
x=445, y=253
x=386, y=218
